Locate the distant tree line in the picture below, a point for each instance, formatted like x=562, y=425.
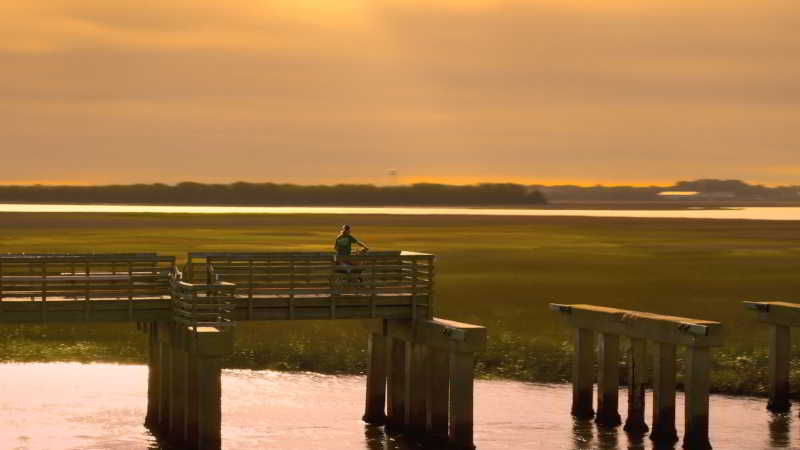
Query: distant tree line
x=707, y=188
x=278, y=194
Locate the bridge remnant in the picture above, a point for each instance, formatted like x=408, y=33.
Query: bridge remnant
x=666, y=332
x=781, y=317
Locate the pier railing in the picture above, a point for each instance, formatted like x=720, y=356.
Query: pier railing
x=73, y=286
x=203, y=305
x=666, y=332
x=781, y=317
x=293, y=280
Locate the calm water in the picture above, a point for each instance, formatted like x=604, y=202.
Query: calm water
x=102, y=406
x=755, y=213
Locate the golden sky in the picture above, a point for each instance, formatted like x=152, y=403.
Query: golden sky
x=315, y=91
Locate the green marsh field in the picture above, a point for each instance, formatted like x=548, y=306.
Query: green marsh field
x=500, y=272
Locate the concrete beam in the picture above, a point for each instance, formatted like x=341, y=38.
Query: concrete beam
x=642, y=325
x=779, y=313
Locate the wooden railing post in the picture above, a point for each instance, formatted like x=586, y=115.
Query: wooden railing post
x=583, y=374
x=779, y=357
x=637, y=378
x=663, y=428
x=608, y=381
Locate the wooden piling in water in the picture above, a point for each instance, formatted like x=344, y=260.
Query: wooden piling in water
x=667, y=332
x=583, y=374
x=637, y=378
x=438, y=394
x=377, y=374
x=608, y=381
x=153, y=376
x=416, y=389
x=430, y=379
x=396, y=397
x=462, y=366
x=779, y=359
x=780, y=317
x=697, y=384
x=664, y=384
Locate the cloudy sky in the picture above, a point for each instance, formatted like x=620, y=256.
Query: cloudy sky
x=323, y=91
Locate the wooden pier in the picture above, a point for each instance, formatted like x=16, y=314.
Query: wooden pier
x=666, y=332
x=420, y=378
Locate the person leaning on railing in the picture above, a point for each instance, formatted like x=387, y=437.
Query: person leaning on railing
x=343, y=246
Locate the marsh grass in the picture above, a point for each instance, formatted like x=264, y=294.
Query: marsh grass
x=496, y=271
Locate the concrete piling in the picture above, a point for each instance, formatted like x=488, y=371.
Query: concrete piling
x=583, y=374
x=186, y=377
x=779, y=358
x=608, y=381
x=666, y=332
x=396, y=398
x=637, y=378
x=430, y=379
x=697, y=384
x=377, y=373
x=664, y=383
x=438, y=393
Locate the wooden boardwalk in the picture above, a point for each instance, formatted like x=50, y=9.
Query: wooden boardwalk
x=266, y=286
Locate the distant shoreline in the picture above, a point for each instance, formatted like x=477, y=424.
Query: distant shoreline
x=552, y=205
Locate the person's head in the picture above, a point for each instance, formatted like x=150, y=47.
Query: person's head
x=345, y=229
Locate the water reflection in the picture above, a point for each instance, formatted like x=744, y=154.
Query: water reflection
x=779, y=429
x=102, y=406
x=758, y=213
x=583, y=432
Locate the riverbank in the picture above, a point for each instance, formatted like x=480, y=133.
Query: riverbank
x=496, y=271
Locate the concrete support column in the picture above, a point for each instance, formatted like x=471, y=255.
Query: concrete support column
x=153, y=376
x=377, y=373
x=438, y=393
x=583, y=374
x=637, y=378
x=608, y=381
x=192, y=405
x=779, y=357
x=416, y=389
x=697, y=384
x=165, y=381
x=664, y=393
x=396, y=398
x=462, y=366
x=178, y=395
x=209, y=403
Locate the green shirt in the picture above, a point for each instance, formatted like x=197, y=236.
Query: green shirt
x=344, y=244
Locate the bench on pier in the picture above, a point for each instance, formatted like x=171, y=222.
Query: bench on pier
x=667, y=332
x=781, y=317
x=311, y=285
x=101, y=286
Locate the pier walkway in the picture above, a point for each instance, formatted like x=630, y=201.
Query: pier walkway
x=420, y=378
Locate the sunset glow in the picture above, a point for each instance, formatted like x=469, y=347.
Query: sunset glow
x=314, y=91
